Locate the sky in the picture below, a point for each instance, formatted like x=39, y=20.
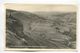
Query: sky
x=41, y=7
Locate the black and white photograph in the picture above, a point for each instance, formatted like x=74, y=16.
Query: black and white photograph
x=40, y=26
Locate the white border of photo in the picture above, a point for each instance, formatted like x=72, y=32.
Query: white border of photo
x=2, y=20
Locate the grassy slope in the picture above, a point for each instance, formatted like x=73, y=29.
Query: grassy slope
x=47, y=29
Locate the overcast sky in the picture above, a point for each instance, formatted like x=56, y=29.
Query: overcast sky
x=41, y=7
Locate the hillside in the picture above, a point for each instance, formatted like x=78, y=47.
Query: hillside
x=55, y=30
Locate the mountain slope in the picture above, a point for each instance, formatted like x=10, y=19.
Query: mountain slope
x=33, y=29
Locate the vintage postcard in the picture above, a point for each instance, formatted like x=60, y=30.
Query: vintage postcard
x=40, y=27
